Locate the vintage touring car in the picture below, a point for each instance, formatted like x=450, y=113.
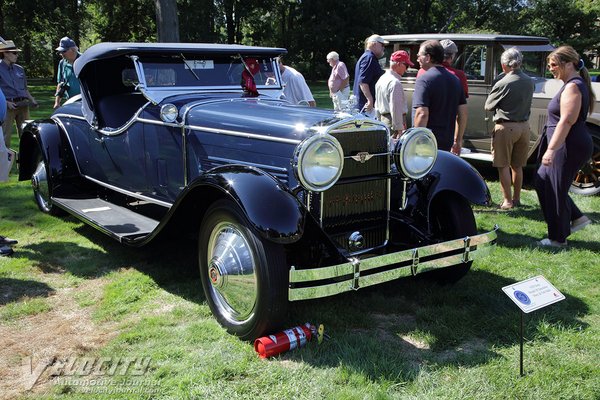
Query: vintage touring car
x=479, y=57
x=286, y=202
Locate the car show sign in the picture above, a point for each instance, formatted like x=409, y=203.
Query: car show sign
x=532, y=294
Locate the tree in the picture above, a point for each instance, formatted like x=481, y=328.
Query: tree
x=167, y=21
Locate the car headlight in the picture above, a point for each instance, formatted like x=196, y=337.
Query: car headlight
x=415, y=152
x=168, y=112
x=318, y=162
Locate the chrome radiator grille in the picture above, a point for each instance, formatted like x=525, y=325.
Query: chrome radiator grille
x=359, y=202
x=366, y=152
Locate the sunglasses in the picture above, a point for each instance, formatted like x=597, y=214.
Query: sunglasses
x=12, y=52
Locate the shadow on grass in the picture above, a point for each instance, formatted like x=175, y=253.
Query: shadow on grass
x=171, y=263
x=387, y=332
x=534, y=213
x=393, y=331
x=16, y=289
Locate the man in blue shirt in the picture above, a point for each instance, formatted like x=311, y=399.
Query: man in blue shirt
x=13, y=83
x=439, y=98
x=367, y=73
x=5, y=243
x=68, y=84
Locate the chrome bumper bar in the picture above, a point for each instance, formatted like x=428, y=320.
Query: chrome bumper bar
x=327, y=281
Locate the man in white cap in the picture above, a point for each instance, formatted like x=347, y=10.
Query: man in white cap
x=389, y=94
x=367, y=73
x=68, y=85
x=13, y=83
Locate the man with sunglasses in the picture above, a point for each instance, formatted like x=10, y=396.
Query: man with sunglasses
x=13, y=83
x=68, y=84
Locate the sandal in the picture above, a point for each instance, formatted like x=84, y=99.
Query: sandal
x=551, y=243
x=580, y=223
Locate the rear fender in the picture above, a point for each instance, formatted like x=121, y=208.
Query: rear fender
x=270, y=207
x=45, y=137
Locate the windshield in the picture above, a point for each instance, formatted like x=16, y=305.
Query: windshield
x=202, y=71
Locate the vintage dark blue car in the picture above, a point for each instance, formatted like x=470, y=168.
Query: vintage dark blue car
x=287, y=202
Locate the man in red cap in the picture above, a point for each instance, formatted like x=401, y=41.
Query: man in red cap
x=389, y=94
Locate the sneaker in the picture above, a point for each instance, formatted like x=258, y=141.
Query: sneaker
x=4, y=241
x=5, y=251
x=580, y=223
x=551, y=243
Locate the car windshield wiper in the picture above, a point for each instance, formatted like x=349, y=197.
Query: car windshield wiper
x=190, y=66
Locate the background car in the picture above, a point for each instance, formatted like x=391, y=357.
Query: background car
x=286, y=202
x=479, y=57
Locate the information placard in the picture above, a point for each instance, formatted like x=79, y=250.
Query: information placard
x=532, y=294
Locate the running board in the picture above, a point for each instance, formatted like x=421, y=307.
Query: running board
x=118, y=222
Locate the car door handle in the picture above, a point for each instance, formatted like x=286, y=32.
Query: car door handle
x=100, y=139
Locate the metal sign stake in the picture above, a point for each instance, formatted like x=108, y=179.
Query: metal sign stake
x=530, y=295
x=521, y=350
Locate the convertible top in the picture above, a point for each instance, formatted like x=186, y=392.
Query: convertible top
x=106, y=50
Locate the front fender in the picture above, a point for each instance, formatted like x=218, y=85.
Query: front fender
x=271, y=208
x=452, y=173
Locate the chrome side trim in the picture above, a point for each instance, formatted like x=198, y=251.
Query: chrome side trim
x=129, y=193
x=157, y=122
x=358, y=273
x=243, y=134
x=264, y=167
x=56, y=116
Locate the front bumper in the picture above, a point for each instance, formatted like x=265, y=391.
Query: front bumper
x=327, y=281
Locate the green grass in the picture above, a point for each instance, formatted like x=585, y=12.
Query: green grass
x=408, y=339
x=22, y=308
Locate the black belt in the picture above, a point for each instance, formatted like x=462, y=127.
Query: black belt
x=15, y=99
x=502, y=121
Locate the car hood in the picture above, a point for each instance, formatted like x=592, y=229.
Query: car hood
x=261, y=116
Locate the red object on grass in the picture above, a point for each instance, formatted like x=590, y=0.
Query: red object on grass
x=280, y=342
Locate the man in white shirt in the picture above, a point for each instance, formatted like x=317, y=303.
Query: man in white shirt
x=295, y=89
x=389, y=94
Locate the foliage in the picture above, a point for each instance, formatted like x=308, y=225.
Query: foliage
x=309, y=29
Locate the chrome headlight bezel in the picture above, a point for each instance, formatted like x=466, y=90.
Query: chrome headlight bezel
x=415, y=152
x=169, y=112
x=302, y=162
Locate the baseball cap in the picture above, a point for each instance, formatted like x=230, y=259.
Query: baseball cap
x=65, y=44
x=449, y=46
x=401, y=56
x=376, y=38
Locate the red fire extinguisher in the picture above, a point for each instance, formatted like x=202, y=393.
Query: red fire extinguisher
x=280, y=342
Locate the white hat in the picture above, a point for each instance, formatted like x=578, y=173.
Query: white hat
x=377, y=38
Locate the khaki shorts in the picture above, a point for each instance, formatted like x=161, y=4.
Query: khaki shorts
x=510, y=144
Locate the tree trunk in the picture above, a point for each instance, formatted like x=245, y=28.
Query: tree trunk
x=167, y=21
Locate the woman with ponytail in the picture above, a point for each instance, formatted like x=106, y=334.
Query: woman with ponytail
x=566, y=146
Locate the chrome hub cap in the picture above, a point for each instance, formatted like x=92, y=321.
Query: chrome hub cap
x=231, y=272
x=39, y=182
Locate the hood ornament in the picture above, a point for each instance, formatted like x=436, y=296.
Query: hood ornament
x=362, y=157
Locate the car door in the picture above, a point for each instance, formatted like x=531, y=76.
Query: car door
x=475, y=60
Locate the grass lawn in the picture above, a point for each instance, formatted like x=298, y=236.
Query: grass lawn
x=71, y=294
